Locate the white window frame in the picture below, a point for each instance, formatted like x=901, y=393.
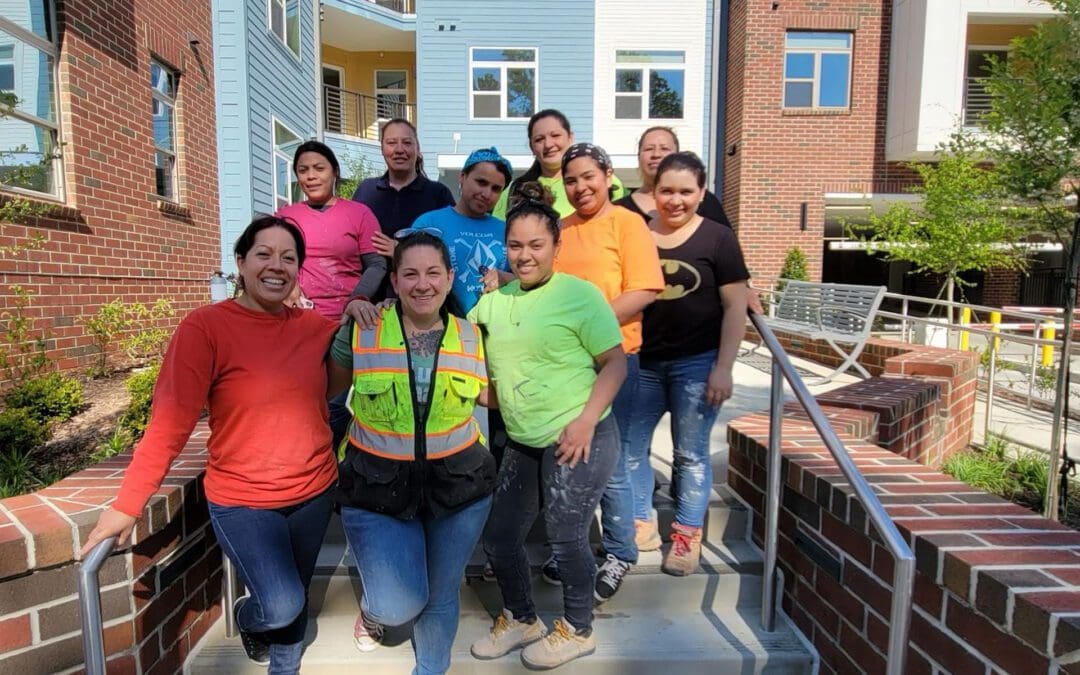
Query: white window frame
x=390, y=92
x=170, y=102
x=275, y=155
x=281, y=8
x=49, y=47
x=646, y=68
x=9, y=61
x=816, y=78
x=503, y=66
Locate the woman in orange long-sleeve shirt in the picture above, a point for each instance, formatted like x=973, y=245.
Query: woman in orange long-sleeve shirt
x=257, y=365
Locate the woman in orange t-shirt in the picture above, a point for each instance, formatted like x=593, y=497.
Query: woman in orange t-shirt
x=257, y=364
x=611, y=247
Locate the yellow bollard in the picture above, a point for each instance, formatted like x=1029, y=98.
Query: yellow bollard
x=965, y=337
x=995, y=326
x=1048, y=333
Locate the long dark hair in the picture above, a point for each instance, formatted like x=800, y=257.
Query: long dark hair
x=318, y=148
x=534, y=172
x=416, y=136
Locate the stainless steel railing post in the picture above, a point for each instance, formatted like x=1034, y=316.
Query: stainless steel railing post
x=772, y=498
x=90, y=607
x=230, y=592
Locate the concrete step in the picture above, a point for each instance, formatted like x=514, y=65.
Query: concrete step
x=726, y=519
x=704, y=623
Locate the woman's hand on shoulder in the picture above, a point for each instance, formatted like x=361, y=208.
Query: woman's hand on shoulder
x=383, y=244
x=575, y=441
x=111, y=523
x=364, y=313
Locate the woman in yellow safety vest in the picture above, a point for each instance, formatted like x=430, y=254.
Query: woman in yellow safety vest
x=416, y=480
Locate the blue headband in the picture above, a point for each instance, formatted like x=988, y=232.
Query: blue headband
x=488, y=155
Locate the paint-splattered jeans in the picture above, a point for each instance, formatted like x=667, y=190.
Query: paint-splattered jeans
x=678, y=387
x=531, y=481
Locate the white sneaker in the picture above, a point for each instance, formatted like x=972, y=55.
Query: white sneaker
x=367, y=635
x=507, y=635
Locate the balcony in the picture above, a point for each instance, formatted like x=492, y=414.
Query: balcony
x=360, y=116
x=399, y=6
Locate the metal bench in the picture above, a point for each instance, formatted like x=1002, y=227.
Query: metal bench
x=836, y=313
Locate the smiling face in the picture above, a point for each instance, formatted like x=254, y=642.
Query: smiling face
x=316, y=177
x=654, y=146
x=480, y=189
x=678, y=196
x=587, y=185
x=531, y=249
x=422, y=281
x=399, y=147
x=269, y=270
x=548, y=142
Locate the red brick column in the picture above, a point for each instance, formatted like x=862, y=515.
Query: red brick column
x=159, y=596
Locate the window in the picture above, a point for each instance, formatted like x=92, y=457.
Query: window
x=30, y=157
x=664, y=72
x=503, y=83
x=391, y=93
x=817, y=70
x=285, y=23
x=976, y=96
x=286, y=189
x=163, y=96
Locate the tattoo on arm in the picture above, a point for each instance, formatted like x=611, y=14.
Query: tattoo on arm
x=425, y=344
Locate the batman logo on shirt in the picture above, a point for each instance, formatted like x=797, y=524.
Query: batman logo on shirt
x=680, y=279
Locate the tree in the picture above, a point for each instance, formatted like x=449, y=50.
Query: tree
x=1033, y=137
x=961, y=224
x=665, y=101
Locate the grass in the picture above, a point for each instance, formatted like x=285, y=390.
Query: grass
x=1017, y=475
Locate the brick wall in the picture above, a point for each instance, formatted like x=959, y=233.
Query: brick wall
x=997, y=587
x=158, y=596
x=784, y=159
x=113, y=237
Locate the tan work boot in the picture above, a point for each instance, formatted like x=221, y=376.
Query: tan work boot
x=560, y=646
x=507, y=635
x=685, y=552
x=646, y=535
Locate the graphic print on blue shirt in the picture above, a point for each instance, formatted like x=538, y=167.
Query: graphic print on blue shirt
x=476, y=246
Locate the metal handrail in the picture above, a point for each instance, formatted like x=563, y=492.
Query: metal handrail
x=90, y=607
x=904, y=568
x=354, y=113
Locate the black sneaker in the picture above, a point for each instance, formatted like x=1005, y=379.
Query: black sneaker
x=549, y=572
x=255, y=644
x=609, y=577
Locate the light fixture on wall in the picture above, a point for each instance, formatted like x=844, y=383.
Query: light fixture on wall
x=732, y=149
x=380, y=55
x=802, y=216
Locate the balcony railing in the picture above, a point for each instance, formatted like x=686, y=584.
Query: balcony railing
x=976, y=101
x=399, y=6
x=362, y=115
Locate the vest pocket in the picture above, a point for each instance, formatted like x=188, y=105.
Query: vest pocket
x=378, y=484
x=463, y=476
x=459, y=397
x=375, y=400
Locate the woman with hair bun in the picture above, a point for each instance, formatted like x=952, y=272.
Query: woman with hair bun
x=556, y=362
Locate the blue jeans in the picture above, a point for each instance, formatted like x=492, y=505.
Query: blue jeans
x=617, y=504
x=412, y=570
x=676, y=386
x=274, y=551
x=531, y=481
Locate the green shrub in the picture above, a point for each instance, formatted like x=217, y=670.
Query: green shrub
x=794, y=268
x=984, y=470
x=111, y=320
x=114, y=445
x=141, y=387
x=50, y=397
x=21, y=432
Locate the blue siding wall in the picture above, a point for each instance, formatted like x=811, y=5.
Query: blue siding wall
x=233, y=123
x=256, y=77
x=562, y=31
x=345, y=147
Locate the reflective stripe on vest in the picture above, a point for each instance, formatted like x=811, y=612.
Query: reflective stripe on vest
x=380, y=368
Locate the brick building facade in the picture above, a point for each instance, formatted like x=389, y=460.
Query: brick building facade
x=125, y=92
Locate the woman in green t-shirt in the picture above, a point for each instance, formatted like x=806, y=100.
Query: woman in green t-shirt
x=555, y=359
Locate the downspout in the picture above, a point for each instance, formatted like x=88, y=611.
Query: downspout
x=317, y=36
x=718, y=94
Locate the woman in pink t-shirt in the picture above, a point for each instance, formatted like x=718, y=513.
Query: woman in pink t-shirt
x=342, y=263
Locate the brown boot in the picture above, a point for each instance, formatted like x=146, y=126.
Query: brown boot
x=646, y=535
x=685, y=552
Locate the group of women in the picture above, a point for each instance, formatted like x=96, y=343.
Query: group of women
x=575, y=320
